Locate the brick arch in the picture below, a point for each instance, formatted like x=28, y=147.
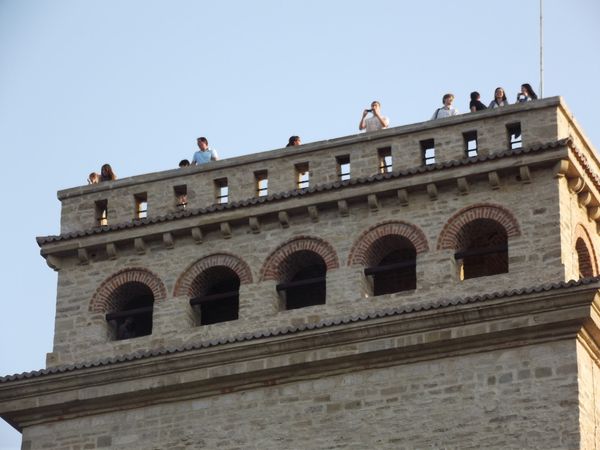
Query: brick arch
x=272, y=267
x=183, y=285
x=103, y=299
x=363, y=246
x=449, y=236
x=588, y=261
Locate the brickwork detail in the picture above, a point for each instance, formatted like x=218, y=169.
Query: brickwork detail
x=363, y=248
x=184, y=284
x=274, y=267
x=586, y=253
x=104, y=299
x=449, y=236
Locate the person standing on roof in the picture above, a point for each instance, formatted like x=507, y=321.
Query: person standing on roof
x=447, y=110
x=376, y=121
x=205, y=154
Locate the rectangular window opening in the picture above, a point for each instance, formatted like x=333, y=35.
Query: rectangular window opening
x=180, y=196
x=262, y=183
x=428, y=151
x=141, y=205
x=343, y=166
x=102, y=213
x=470, y=139
x=385, y=159
x=515, y=139
x=302, y=176
x=222, y=191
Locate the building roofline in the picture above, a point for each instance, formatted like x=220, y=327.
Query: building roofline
x=41, y=240
x=308, y=148
x=326, y=323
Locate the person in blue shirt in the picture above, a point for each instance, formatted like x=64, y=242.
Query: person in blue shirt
x=205, y=154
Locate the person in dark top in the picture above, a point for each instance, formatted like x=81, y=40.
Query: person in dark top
x=475, y=104
x=293, y=141
x=527, y=94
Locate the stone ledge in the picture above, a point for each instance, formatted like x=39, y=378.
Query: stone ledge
x=330, y=194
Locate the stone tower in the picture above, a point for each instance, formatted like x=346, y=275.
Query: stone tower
x=405, y=288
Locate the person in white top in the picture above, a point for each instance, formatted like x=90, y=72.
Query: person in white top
x=447, y=110
x=376, y=121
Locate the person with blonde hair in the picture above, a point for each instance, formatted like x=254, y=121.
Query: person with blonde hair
x=447, y=109
x=93, y=178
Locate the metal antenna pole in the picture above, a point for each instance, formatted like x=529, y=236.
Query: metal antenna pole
x=541, y=49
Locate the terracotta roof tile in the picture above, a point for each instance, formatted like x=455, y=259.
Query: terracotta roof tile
x=401, y=310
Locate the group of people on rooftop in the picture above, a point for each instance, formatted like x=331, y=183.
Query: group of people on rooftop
x=375, y=122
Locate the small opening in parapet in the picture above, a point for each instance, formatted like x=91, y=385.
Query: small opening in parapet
x=343, y=167
x=181, y=198
x=515, y=139
x=385, y=159
x=470, y=140
x=428, y=151
x=261, y=178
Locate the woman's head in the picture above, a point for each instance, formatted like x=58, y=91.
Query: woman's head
x=475, y=96
x=107, y=173
x=499, y=94
x=528, y=91
x=293, y=141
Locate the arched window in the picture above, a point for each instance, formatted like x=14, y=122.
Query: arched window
x=392, y=265
x=131, y=315
x=303, y=282
x=215, y=295
x=584, y=259
x=482, y=249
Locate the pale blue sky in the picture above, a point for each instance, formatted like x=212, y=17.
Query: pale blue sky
x=135, y=82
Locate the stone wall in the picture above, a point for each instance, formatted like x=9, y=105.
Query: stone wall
x=534, y=258
x=521, y=398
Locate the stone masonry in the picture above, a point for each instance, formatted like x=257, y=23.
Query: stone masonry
x=507, y=360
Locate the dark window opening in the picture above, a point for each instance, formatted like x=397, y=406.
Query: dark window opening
x=343, y=167
x=483, y=249
x=133, y=314
x=584, y=259
x=221, y=191
x=304, y=284
x=180, y=196
x=470, y=139
x=102, y=212
x=428, y=151
x=141, y=205
x=262, y=183
x=216, y=296
x=302, y=176
x=515, y=139
x=392, y=265
x=385, y=159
